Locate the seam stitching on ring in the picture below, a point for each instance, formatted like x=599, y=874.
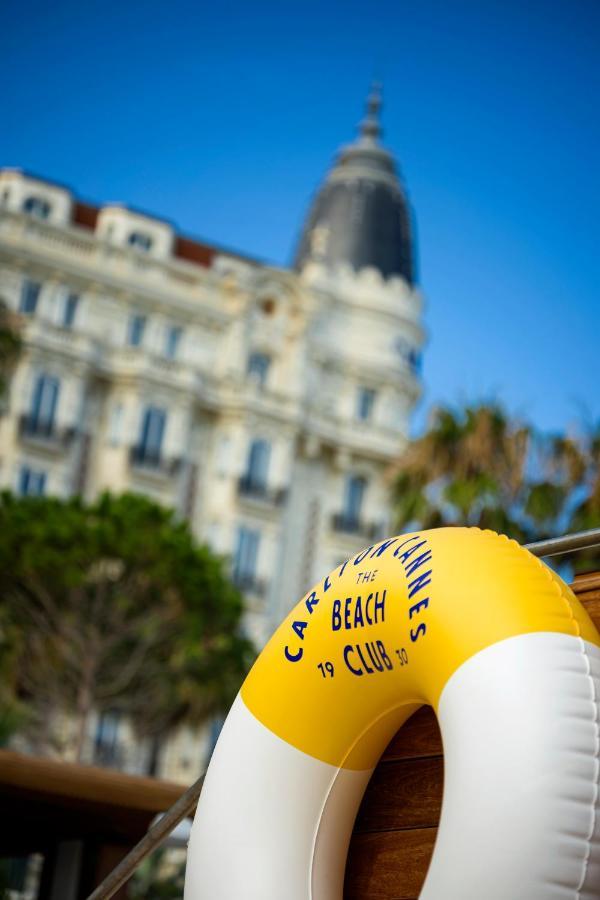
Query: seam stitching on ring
x=592, y=827
x=564, y=595
x=596, y=722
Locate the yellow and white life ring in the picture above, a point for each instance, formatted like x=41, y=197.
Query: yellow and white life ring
x=460, y=619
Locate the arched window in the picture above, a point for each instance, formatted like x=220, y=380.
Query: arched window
x=258, y=465
x=36, y=206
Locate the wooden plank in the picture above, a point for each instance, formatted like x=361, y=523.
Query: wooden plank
x=51, y=778
x=590, y=581
x=402, y=794
x=419, y=736
x=592, y=605
x=587, y=588
x=388, y=866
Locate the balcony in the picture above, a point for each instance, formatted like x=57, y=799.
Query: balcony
x=45, y=432
x=152, y=461
x=347, y=524
x=257, y=490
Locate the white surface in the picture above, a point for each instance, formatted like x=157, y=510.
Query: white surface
x=520, y=818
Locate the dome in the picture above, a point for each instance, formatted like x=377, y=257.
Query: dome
x=360, y=216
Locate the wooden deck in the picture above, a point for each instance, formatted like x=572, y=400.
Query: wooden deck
x=397, y=822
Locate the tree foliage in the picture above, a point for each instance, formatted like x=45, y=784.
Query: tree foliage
x=113, y=606
x=476, y=466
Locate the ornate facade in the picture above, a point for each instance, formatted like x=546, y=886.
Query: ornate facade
x=264, y=404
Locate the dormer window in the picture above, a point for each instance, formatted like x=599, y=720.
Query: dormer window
x=140, y=240
x=36, y=206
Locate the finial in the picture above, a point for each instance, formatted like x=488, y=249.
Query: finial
x=370, y=126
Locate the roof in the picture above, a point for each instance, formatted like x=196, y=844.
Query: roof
x=360, y=216
x=85, y=215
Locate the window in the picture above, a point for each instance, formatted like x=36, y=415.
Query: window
x=172, y=340
x=258, y=464
x=258, y=367
x=414, y=361
x=151, y=434
x=353, y=499
x=36, y=206
x=30, y=292
x=409, y=354
x=32, y=482
x=106, y=742
x=140, y=240
x=246, y=554
x=135, y=331
x=365, y=400
x=70, y=308
x=43, y=404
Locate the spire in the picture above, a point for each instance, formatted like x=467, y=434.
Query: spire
x=370, y=127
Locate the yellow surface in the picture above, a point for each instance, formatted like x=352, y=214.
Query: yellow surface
x=470, y=589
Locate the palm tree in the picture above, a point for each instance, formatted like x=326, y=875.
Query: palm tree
x=476, y=466
x=468, y=468
x=586, y=508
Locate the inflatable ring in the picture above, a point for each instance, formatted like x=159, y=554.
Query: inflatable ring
x=460, y=619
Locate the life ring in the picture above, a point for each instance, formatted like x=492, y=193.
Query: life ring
x=463, y=620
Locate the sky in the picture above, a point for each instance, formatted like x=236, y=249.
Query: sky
x=224, y=118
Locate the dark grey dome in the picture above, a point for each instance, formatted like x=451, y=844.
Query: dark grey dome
x=360, y=216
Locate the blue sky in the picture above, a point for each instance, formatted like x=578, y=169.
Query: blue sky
x=224, y=118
